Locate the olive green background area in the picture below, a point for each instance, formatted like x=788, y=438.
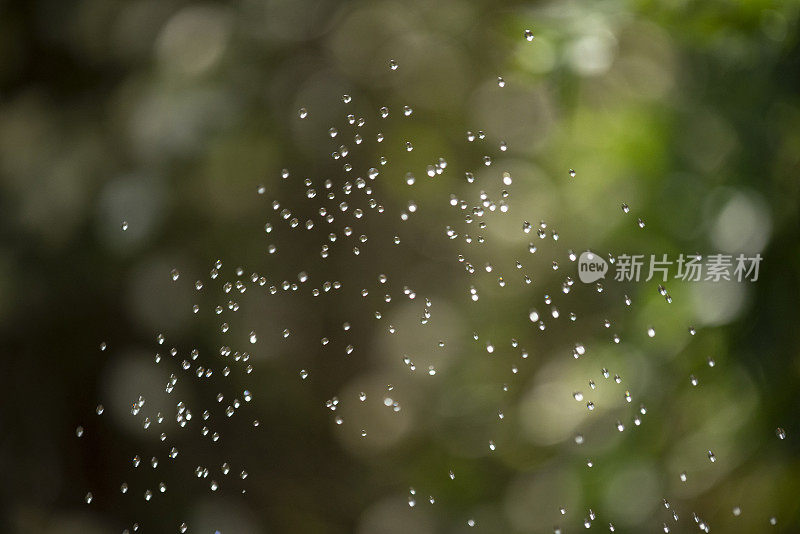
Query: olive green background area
x=169, y=115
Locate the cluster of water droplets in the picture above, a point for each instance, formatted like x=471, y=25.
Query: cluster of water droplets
x=343, y=206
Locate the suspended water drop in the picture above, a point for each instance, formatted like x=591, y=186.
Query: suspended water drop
x=393, y=64
x=528, y=35
x=302, y=113
x=501, y=82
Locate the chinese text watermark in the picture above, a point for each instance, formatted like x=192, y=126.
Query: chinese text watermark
x=686, y=267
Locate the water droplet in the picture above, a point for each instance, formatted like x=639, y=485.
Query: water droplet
x=302, y=113
x=393, y=64
x=781, y=433
x=124, y=225
x=572, y=173
x=501, y=82
x=528, y=35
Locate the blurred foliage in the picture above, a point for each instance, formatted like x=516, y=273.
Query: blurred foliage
x=169, y=114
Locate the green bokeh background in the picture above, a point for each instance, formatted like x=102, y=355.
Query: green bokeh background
x=170, y=114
